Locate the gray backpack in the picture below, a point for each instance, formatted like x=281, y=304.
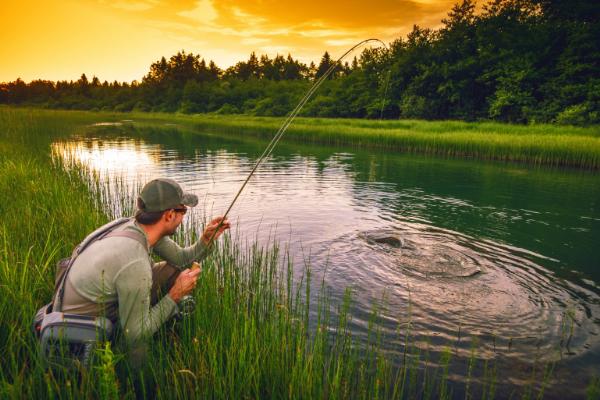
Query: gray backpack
x=70, y=340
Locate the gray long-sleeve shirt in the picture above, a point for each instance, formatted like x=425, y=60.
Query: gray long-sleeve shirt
x=113, y=276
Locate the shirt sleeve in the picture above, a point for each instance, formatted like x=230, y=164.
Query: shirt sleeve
x=178, y=256
x=138, y=320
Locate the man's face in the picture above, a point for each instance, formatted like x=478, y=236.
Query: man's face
x=173, y=219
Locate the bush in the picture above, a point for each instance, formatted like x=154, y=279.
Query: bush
x=187, y=107
x=141, y=106
x=593, y=390
x=123, y=107
x=413, y=106
x=228, y=109
x=578, y=114
x=320, y=106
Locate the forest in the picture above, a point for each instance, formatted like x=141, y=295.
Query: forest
x=517, y=61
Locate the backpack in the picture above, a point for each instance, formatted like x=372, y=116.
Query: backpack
x=69, y=340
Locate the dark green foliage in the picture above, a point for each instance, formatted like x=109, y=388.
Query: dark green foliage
x=517, y=61
x=593, y=389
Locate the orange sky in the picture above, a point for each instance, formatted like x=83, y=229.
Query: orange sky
x=120, y=39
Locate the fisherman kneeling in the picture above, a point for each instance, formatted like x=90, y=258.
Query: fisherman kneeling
x=111, y=275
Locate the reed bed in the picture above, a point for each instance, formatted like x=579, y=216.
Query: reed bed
x=257, y=332
x=541, y=144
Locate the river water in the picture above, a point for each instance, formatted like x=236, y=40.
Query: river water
x=504, y=257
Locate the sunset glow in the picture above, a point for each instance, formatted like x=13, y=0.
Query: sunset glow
x=118, y=40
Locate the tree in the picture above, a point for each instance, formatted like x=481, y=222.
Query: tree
x=292, y=69
x=158, y=72
x=214, y=72
x=267, y=69
x=324, y=65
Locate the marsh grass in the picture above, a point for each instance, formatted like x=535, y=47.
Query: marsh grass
x=543, y=145
x=538, y=144
x=535, y=144
x=257, y=331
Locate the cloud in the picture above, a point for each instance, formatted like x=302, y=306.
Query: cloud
x=341, y=42
x=275, y=49
x=322, y=33
x=311, y=18
x=349, y=14
x=255, y=40
x=220, y=28
x=133, y=5
x=204, y=12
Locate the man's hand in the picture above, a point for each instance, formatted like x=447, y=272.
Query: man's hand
x=184, y=284
x=212, y=227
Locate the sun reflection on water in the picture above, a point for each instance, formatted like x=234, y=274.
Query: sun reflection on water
x=123, y=158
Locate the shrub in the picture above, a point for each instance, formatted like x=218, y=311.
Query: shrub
x=578, y=114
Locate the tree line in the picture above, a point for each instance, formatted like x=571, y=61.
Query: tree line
x=517, y=61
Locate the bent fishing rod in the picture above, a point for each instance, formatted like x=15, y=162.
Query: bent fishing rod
x=288, y=121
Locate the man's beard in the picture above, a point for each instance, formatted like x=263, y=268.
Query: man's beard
x=171, y=232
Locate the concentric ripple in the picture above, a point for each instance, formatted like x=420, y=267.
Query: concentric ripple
x=459, y=286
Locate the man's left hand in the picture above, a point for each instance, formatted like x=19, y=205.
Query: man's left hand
x=209, y=234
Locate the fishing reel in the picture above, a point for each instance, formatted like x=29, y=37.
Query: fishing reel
x=187, y=305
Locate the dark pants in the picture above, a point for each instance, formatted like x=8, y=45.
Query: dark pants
x=163, y=278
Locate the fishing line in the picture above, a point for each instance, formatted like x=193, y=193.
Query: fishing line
x=288, y=121
x=387, y=84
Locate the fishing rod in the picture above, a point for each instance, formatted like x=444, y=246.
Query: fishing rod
x=288, y=121
x=187, y=303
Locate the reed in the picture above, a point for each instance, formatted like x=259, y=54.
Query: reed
x=257, y=331
x=541, y=144
x=538, y=144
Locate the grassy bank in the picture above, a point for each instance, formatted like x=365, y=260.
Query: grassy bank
x=250, y=336
x=535, y=144
x=541, y=144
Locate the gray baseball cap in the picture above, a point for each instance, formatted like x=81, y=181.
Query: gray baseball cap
x=163, y=194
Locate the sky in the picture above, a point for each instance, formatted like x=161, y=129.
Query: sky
x=119, y=39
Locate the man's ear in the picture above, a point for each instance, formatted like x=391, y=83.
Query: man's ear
x=168, y=215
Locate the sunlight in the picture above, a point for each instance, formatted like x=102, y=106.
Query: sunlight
x=122, y=157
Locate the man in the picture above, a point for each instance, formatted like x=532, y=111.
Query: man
x=116, y=277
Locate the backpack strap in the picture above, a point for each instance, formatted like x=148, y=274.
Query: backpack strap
x=107, y=230
x=99, y=234
x=128, y=233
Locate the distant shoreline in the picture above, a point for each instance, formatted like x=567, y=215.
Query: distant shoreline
x=543, y=144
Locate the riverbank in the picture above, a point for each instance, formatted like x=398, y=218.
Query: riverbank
x=537, y=144
x=543, y=144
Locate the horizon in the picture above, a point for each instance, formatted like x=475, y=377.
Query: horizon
x=225, y=32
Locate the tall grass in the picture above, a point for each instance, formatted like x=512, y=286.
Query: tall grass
x=256, y=332
x=536, y=144
x=541, y=144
